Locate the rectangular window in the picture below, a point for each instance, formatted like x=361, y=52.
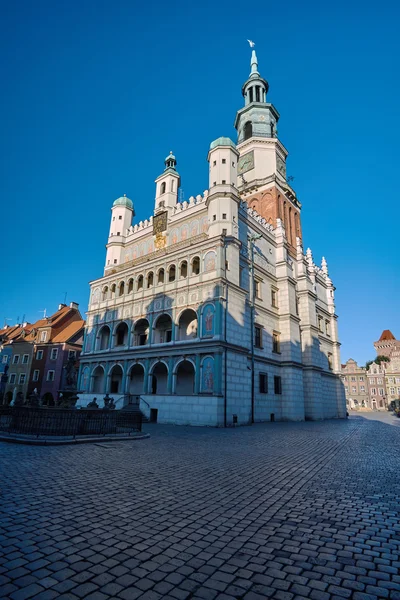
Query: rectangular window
x=224, y=181
x=258, y=336
x=263, y=383
x=320, y=324
x=330, y=360
x=276, y=342
x=214, y=163
x=372, y=380
x=392, y=391
x=214, y=217
x=328, y=328
x=120, y=217
x=25, y=359
x=16, y=359
x=353, y=379
x=54, y=353
x=5, y=359
x=224, y=216
x=39, y=355
x=43, y=336
x=258, y=287
x=398, y=390
x=379, y=381
x=381, y=391
x=344, y=378
x=391, y=380
x=354, y=390
x=35, y=375
x=224, y=161
x=12, y=377
x=361, y=378
x=22, y=378
x=373, y=391
x=277, y=384
x=362, y=388
x=274, y=299
x=168, y=335
x=50, y=376
x=397, y=379
x=71, y=353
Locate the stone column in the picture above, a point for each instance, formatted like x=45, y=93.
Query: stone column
x=146, y=376
x=217, y=373
x=197, y=375
x=170, y=375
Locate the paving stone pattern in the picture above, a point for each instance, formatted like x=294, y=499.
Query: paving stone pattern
x=281, y=510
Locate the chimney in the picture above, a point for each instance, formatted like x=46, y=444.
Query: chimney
x=60, y=306
x=74, y=305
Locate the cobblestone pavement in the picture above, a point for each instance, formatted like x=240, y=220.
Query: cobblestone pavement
x=285, y=511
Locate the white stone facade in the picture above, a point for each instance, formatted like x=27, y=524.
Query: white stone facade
x=171, y=319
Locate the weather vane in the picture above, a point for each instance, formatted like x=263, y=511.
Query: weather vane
x=252, y=44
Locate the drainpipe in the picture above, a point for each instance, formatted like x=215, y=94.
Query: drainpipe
x=225, y=339
x=252, y=238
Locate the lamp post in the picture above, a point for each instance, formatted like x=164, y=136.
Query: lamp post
x=252, y=237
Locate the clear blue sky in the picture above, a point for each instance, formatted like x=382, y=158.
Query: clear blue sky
x=95, y=94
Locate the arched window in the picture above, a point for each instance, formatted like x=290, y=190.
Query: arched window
x=113, y=288
x=183, y=269
x=130, y=286
x=196, y=265
x=121, y=289
x=163, y=330
x=140, y=282
x=150, y=279
x=159, y=379
x=160, y=276
x=116, y=376
x=248, y=129
x=172, y=273
x=98, y=380
x=141, y=332
x=121, y=335
x=103, y=338
x=136, y=380
x=187, y=327
x=185, y=378
x=163, y=185
x=105, y=293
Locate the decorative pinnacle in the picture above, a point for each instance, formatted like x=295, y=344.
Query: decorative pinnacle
x=324, y=266
x=254, y=64
x=309, y=257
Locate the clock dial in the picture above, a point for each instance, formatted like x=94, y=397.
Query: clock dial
x=246, y=162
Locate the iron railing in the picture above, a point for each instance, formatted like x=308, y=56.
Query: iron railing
x=65, y=422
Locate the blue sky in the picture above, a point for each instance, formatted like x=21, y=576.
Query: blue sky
x=95, y=94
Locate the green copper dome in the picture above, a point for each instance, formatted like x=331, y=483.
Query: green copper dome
x=222, y=141
x=123, y=201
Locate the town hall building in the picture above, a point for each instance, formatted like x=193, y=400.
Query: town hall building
x=209, y=310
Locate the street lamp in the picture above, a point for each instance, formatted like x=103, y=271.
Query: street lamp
x=252, y=237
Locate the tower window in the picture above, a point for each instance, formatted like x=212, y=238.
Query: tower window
x=251, y=94
x=118, y=233
x=224, y=181
x=248, y=130
x=115, y=261
x=214, y=183
x=224, y=215
x=214, y=163
x=224, y=161
x=113, y=218
x=162, y=188
x=257, y=93
x=172, y=185
x=120, y=217
x=233, y=164
x=214, y=217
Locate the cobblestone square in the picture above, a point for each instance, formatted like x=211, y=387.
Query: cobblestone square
x=289, y=511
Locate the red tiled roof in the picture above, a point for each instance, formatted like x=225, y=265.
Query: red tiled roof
x=68, y=332
x=386, y=335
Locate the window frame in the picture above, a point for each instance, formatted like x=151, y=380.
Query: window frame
x=276, y=342
x=258, y=337
x=23, y=380
x=54, y=354
x=41, y=354
x=15, y=360
x=278, y=385
x=263, y=383
x=38, y=375
x=48, y=373
x=13, y=377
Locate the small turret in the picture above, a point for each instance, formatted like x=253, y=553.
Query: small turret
x=122, y=213
x=167, y=185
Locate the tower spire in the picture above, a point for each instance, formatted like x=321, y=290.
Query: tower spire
x=254, y=65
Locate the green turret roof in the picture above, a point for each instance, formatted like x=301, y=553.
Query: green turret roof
x=123, y=201
x=222, y=141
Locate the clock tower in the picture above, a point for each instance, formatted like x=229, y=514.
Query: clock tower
x=262, y=180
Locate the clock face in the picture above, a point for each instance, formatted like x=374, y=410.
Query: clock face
x=246, y=162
